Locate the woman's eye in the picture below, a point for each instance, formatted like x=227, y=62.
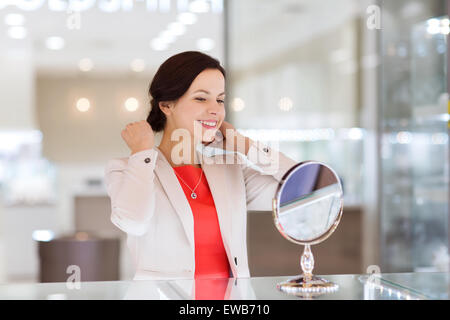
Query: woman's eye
x=220, y=101
x=200, y=99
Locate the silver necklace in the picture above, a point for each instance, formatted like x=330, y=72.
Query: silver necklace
x=193, y=194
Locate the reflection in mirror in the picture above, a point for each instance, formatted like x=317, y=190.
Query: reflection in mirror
x=310, y=202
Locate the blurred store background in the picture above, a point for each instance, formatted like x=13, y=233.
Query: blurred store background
x=358, y=84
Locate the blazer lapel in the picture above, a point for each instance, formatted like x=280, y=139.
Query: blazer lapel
x=215, y=172
x=216, y=177
x=176, y=195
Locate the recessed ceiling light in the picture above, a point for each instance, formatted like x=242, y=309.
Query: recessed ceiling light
x=285, y=104
x=42, y=235
x=167, y=36
x=158, y=45
x=137, y=65
x=131, y=104
x=187, y=18
x=199, y=6
x=54, y=43
x=205, y=44
x=86, y=64
x=14, y=19
x=177, y=28
x=17, y=32
x=237, y=104
x=83, y=104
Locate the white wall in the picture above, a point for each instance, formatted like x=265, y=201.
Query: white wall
x=17, y=89
x=71, y=136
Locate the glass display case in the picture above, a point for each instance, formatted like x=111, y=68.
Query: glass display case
x=414, y=142
x=430, y=149
x=26, y=177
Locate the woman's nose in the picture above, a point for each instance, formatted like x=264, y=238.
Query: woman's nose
x=214, y=108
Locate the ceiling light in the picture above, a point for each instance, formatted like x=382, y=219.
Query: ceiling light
x=238, y=104
x=137, y=65
x=205, y=44
x=42, y=235
x=285, y=104
x=404, y=137
x=28, y=5
x=82, y=5
x=177, y=28
x=433, y=22
x=17, y=32
x=158, y=45
x=167, y=36
x=14, y=19
x=433, y=30
x=83, y=104
x=86, y=64
x=54, y=43
x=131, y=104
x=187, y=18
x=199, y=6
x=58, y=5
x=355, y=134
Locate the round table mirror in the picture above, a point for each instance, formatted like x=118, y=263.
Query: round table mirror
x=307, y=208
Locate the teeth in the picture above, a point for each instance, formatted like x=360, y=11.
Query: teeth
x=211, y=124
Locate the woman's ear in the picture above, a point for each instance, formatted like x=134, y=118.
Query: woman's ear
x=166, y=107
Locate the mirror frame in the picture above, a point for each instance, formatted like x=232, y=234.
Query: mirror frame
x=276, y=201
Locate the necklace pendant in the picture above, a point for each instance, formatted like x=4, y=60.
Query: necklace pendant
x=193, y=195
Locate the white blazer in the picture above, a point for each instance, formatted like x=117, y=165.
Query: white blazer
x=148, y=203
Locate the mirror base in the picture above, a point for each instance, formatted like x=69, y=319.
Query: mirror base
x=307, y=286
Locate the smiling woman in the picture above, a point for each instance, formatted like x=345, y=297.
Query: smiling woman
x=173, y=79
x=178, y=214
x=188, y=92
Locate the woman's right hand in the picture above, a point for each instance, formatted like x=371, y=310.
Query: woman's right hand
x=138, y=136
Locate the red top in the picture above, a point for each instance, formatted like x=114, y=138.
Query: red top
x=210, y=256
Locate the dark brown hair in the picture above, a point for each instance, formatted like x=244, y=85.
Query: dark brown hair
x=173, y=79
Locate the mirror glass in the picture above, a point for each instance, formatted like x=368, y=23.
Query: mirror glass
x=309, y=202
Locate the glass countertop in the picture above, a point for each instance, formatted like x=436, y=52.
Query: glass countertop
x=430, y=285
x=399, y=286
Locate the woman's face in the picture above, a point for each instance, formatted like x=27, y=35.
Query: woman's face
x=202, y=102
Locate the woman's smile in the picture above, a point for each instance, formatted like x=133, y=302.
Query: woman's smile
x=208, y=124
